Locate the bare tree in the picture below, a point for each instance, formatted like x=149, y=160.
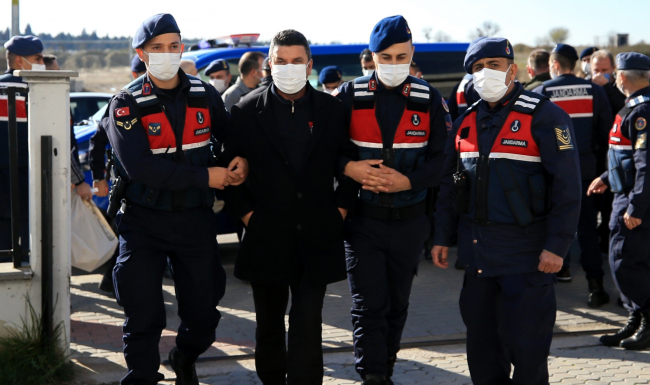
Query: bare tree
x=558, y=35
x=428, y=31
x=488, y=29
x=441, y=36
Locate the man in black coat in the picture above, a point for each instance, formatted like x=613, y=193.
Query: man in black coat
x=292, y=136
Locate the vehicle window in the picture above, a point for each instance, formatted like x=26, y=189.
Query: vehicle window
x=100, y=114
x=84, y=108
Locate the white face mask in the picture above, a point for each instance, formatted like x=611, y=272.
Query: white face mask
x=368, y=72
x=393, y=75
x=586, y=67
x=328, y=91
x=491, y=84
x=35, y=66
x=620, y=88
x=219, y=84
x=289, y=78
x=163, y=66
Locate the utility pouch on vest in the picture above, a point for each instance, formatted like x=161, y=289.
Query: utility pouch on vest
x=462, y=190
x=513, y=193
x=537, y=185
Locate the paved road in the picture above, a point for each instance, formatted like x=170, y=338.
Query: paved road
x=574, y=360
x=433, y=316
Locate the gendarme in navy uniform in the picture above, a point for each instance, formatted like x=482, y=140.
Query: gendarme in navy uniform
x=629, y=250
x=20, y=50
x=401, y=121
x=515, y=205
x=160, y=127
x=587, y=105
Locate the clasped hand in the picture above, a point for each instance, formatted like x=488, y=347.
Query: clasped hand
x=234, y=175
x=383, y=179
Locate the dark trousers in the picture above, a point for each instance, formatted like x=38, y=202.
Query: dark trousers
x=199, y=281
x=591, y=257
x=509, y=321
x=629, y=259
x=382, y=260
x=302, y=362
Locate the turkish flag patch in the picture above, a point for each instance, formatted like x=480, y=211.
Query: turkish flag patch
x=122, y=112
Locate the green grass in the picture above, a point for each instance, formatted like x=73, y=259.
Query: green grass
x=28, y=358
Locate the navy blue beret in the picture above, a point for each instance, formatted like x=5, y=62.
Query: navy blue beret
x=488, y=47
x=138, y=65
x=216, y=66
x=632, y=61
x=330, y=74
x=567, y=51
x=588, y=52
x=24, y=45
x=159, y=24
x=389, y=31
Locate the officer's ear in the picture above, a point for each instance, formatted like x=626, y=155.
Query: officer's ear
x=141, y=55
x=310, y=65
x=514, y=68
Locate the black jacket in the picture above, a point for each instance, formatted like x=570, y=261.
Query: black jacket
x=296, y=230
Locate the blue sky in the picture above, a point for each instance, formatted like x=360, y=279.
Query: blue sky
x=346, y=21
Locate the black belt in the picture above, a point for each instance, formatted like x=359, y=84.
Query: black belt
x=391, y=214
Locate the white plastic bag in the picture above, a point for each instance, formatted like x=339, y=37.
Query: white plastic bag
x=93, y=240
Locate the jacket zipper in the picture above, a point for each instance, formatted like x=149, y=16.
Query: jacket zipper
x=483, y=171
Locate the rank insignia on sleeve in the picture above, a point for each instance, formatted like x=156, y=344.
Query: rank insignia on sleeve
x=128, y=124
x=640, y=124
x=641, y=141
x=563, y=136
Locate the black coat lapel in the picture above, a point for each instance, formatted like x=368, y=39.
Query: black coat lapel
x=266, y=118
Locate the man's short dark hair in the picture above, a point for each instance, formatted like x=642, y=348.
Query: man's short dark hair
x=366, y=55
x=289, y=37
x=565, y=63
x=538, y=60
x=249, y=65
x=48, y=59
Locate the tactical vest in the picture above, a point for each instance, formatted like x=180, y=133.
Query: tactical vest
x=575, y=97
x=193, y=148
x=620, y=157
x=409, y=146
x=8, y=80
x=508, y=185
x=461, y=101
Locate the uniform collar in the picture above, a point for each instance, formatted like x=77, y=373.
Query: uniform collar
x=182, y=77
x=398, y=89
x=642, y=91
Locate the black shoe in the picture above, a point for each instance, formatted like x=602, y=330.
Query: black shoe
x=633, y=323
x=374, y=379
x=641, y=339
x=597, y=294
x=184, y=368
x=390, y=367
x=458, y=265
x=564, y=275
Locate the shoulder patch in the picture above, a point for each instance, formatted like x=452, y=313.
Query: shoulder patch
x=563, y=136
x=640, y=124
x=124, y=111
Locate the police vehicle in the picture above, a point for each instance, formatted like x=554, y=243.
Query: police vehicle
x=441, y=63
